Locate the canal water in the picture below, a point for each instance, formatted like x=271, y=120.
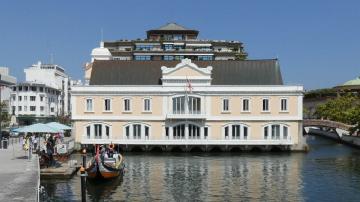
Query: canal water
x=329, y=172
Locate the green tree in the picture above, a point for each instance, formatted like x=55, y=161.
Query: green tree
x=344, y=109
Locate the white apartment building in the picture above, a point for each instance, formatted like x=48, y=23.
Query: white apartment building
x=35, y=101
x=53, y=76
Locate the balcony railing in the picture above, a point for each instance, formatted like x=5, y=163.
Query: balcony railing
x=186, y=115
x=187, y=142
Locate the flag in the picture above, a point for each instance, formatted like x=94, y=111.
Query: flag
x=188, y=85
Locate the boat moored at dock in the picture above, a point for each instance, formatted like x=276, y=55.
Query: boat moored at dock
x=106, y=164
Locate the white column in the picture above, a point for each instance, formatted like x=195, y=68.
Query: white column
x=186, y=131
x=202, y=133
x=281, y=132
x=171, y=133
x=131, y=130
x=230, y=132
x=92, y=134
x=241, y=132
x=142, y=134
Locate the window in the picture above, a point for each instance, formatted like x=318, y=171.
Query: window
x=14, y=88
x=142, y=57
x=147, y=106
x=146, y=132
x=137, y=131
x=179, y=105
x=193, y=131
x=52, y=109
x=32, y=108
x=97, y=130
x=107, y=131
x=127, y=132
x=33, y=88
x=285, y=132
x=41, y=108
x=89, y=105
x=236, y=131
x=144, y=47
x=275, y=132
x=13, y=110
x=206, y=132
x=107, y=103
x=168, y=57
x=194, y=105
x=283, y=106
x=88, y=131
x=41, y=89
x=266, y=132
x=205, y=57
x=25, y=108
x=127, y=106
x=19, y=98
x=41, y=98
x=13, y=97
x=25, y=98
x=26, y=88
x=167, y=132
x=179, y=57
x=226, y=132
x=245, y=132
x=32, y=98
x=265, y=104
x=168, y=46
x=19, y=108
x=225, y=105
x=178, y=37
x=246, y=105
x=179, y=131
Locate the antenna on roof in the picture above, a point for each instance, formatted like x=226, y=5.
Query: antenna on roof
x=102, y=34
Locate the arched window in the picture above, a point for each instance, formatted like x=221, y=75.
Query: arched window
x=179, y=132
x=236, y=131
x=194, y=131
x=97, y=130
x=136, y=131
x=276, y=132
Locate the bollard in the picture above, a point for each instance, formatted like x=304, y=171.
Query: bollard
x=83, y=184
x=84, y=158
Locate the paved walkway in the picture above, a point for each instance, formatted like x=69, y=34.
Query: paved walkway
x=18, y=174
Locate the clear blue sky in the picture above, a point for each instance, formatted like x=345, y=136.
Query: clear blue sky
x=317, y=42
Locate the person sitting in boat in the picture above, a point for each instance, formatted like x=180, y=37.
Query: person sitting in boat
x=111, y=151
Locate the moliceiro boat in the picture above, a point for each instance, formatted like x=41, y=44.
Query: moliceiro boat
x=106, y=164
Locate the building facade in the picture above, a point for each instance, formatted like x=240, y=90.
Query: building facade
x=171, y=42
x=54, y=76
x=187, y=105
x=33, y=102
x=6, y=80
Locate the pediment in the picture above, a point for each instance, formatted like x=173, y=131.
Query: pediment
x=186, y=68
x=186, y=71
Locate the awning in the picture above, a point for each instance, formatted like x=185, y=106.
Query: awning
x=58, y=126
x=38, y=128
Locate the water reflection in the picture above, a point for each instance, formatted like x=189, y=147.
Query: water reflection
x=229, y=177
x=205, y=177
x=102, y=189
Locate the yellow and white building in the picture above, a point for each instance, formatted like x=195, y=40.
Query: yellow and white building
x=180, y=104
